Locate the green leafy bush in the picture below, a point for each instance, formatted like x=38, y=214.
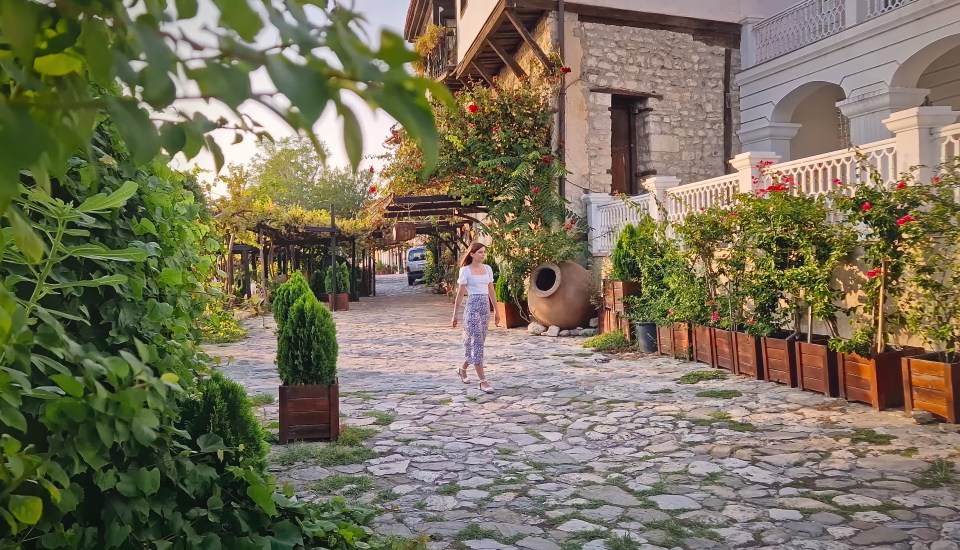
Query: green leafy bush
x=607, y=341
x=219, y=326
x=307, y=348
x=288, y=293
x=342, y=273
x=318, y=284
x=220, y=406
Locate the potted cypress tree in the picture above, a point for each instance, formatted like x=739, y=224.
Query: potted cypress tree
x=621, y=284
x=285, y=296
x=307, y=352
x=339, y=298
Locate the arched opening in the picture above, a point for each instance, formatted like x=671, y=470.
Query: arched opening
x=942, y=78
x=814, y=106
x=938, y=53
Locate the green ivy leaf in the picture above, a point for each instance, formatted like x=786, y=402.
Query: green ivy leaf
x=306, y=88
x=58, y=64
x=18, y=25
x=103, y=202
x=186, y=9
x=95, y=41
x=117, y=533
x=27, y=509
x=69, y=384
x=148, y=480
x=24, y=236
x=228, y=83
x=170, y=276
x=263, y=497
x=98, y=252
x=144, y=426
x=352, y=136
x=135, y=127
x=239, y=16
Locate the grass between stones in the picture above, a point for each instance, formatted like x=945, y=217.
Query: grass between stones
x=621, y=542
x=677, y=529
x=701, y=376
x=351, y=486
x=576, y=542
x=433, y=518
x=381, y=418
x=361, y=395
x=261, y=399
x=346, y=450
x=608, y=341
x=475, y=532
x=867, y=435
x=449, y=489
x=661, y=391
x=939, y=474
x=535, y=434
x=718, y=417
x=720, y=394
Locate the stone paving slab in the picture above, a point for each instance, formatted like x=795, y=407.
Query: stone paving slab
x=581, y=450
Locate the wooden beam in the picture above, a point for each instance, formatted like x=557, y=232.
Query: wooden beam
x=508, y=59
x=525, y=34
x=628, y=93
x=489, y=27
x=483, y=73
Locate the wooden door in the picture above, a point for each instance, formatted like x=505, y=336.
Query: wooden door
x=621, y=148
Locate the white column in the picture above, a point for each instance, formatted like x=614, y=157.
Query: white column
x=746, y=165
x=658, y=186
x=770, y=137
x=913, y=129
x=854, y=12
x=748, y=42
x=867, y=111
x=592, y=203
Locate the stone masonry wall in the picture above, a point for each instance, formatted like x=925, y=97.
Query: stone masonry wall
x=686, y=127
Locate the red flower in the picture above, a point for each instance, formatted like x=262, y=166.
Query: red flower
x=732, y=215
x=565, y=70
x=373, y=189
x=936, y=179
x=715, y=316
x=906, y=219
x=372, y=170
x=546, y=159
x=751, y=321
x=901, y=184
x=477, y=180
x=535, y=189
x=473, y=108
x=836, y=181
x=866, y=206
x=873, y=273
x=568, y=226
x=496, y=129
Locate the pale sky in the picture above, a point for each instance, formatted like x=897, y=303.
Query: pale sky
x=379, y=14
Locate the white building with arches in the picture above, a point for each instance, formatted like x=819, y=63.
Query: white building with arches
x=816, y=80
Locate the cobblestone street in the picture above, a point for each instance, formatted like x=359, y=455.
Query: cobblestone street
x=579, y=450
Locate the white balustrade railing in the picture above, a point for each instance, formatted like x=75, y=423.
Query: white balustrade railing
x=816, y=175
x=700, y=195
x=876, y=8
x=612, y=217
x=794, y=28
x=948, y=142
x=819, y=174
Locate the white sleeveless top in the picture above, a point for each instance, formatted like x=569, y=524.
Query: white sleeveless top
x=476, y=284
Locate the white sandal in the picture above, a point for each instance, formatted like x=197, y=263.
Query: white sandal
x=482, y=382
x=462, y=373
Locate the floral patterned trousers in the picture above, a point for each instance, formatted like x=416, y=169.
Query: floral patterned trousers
x=476, y=319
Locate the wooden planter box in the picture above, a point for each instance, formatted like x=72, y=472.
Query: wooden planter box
x=309, y=413
x=511, y=314
x=342, y=302
x=779, y=360
x=703, y=348
x=749, y=356
x=724, y=351
x=876, y=380
x=931, y=385
x=613, y=315
x=817, y=367
x=682, y=341
x=665, y=340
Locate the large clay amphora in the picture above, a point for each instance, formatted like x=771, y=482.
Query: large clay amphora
x=560, y=295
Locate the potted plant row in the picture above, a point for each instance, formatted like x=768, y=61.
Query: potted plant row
x=307, y=353
x=751, y=278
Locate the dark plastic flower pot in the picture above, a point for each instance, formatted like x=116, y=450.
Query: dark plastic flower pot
x=646, y=334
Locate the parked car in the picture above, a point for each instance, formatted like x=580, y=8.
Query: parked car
x=416, y=263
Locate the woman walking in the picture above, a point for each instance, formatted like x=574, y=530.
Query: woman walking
x=476, y=282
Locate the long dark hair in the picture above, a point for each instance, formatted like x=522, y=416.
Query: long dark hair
x=467, y=257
